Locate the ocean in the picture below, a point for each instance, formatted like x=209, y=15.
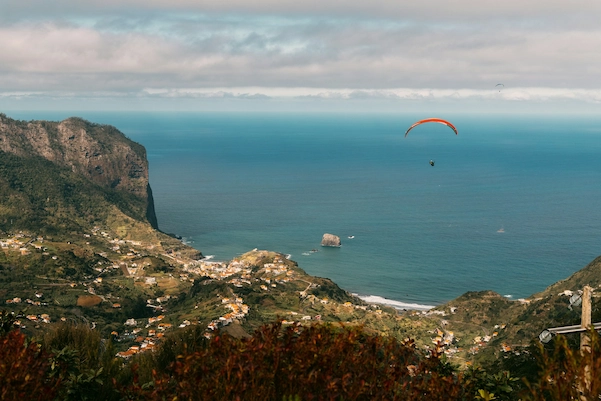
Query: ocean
x=512, y=203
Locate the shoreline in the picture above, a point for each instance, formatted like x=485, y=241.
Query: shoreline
x=399, y=305
x=372, y=299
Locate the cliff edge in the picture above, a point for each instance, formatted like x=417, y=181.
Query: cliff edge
x=100, y=153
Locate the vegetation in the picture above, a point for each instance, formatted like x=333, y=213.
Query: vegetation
x=567, y=373
x=71, y=203
x=319, y=362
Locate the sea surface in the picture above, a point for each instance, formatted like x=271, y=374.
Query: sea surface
x=512, y=204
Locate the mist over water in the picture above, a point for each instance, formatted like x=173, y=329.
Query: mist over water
x=512, y=204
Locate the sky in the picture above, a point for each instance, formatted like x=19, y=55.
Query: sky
x=311, y=55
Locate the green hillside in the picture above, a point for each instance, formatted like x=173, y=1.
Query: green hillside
x=40, y=196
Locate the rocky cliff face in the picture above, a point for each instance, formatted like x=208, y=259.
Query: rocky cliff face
x=101, y=153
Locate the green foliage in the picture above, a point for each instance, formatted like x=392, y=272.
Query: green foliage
x=328, y=289
x=523, y=365
x=181, y=342
x=78, y=337
x=70, y=203
x=566, y=373
x=7, y=322
x=492, y=386
x=485, y=395
x=136, y=307
x=77, y=383
x=82, y=362
x=205, y=287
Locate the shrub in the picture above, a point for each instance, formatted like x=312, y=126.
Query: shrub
x=314, y=363
x=83, y=362
x=24, y=370
x=180, y=342
x=7, y=322
x=567, y=373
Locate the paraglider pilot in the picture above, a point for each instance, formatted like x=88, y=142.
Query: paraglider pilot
x=432, y=163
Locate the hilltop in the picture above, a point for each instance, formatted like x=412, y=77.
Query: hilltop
x=80, y=242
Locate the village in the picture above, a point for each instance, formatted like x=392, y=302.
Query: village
x=130, y=259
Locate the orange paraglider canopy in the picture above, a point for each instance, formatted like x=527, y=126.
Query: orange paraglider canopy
x=432, y=120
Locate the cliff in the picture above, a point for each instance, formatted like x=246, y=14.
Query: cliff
x=100, y=153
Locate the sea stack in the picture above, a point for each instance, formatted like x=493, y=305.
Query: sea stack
x=330, y=240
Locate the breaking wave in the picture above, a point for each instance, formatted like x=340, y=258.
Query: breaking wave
x=374, y=299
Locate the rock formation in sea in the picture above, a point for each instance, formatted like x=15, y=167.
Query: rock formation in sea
x=330, y=240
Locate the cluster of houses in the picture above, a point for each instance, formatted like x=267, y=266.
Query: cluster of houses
x=18, y=300
x=277, y=271
x=146, y=343
x=219, y=270
x=22, y=244
x=238, y=311
x=446, y=341
x=121, y=246
x=155, y=331
x=42, y=318
x=128, y=255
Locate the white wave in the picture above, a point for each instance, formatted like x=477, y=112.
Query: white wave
x=208, y=257
x=508, y=296
x=187, y=240
x=374, y=299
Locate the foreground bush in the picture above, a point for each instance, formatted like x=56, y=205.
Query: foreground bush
x=25, y=370
x=291, y=363
x=84, y=363
x=313, y=363
x=567, y=373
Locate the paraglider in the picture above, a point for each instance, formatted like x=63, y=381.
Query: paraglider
x=432, y=120
x=499, y=86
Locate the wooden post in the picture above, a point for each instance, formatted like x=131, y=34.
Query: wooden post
x=585, y=342
x=585, y=322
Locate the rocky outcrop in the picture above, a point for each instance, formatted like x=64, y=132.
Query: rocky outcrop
x=330, y=240
x=101, y=153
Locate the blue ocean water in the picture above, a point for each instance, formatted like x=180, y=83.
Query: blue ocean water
x=512, y=204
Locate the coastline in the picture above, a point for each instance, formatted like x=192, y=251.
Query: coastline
x=399, y=305
x=372, y=299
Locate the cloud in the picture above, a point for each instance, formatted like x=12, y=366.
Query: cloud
x=338, y=49
x=396, y=94
x=308, y=54
x=433, y=10
x=204, y=94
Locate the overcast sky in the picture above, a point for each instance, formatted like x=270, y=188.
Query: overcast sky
x=313, y=54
